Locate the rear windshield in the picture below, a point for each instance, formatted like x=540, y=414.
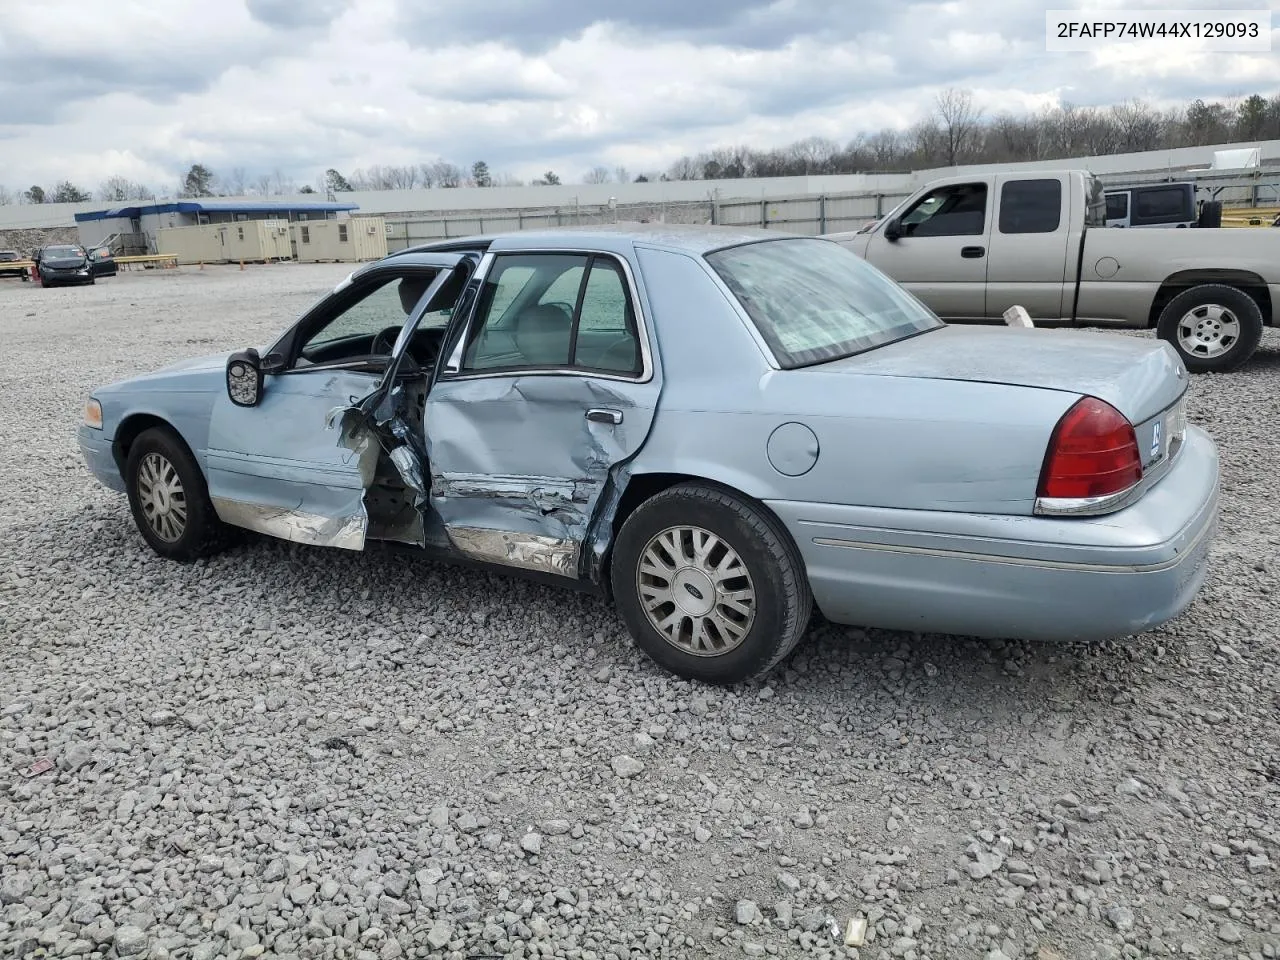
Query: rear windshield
x=815, y=301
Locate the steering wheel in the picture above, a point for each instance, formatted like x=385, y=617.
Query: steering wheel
x=384, y=340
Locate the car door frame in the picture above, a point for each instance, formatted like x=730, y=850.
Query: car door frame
x=572, y=557
x=917, y=270
x=1031, y=268
x=335, y=515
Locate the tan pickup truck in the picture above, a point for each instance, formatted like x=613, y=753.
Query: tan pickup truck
x=973, y=246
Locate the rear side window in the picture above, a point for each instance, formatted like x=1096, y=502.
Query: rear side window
x=1031, y=206
x=1117, y=206
x=1160, y=205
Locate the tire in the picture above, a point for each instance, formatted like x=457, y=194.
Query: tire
x=774, y=622
x=158, y=458
x=1195, y=321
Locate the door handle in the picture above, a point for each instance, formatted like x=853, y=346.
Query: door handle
x=598, y=415
x=972, y=253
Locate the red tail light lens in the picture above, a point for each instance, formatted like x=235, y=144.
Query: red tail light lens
x=1093, y=453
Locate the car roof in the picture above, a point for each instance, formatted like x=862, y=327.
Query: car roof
x=696, y=239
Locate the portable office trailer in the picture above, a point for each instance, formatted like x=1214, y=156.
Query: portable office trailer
x=350, y=240
x=227, y=242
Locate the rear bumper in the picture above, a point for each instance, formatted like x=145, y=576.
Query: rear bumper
x=96, y=450
x=1034, y=578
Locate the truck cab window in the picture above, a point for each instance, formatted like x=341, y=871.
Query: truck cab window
x=1031, y=206
x=958, y=210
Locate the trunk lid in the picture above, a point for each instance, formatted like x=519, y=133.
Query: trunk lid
x=1139, y=376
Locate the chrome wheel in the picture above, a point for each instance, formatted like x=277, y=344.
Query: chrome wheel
x=696, y=591
x=1208, y=331
x=162, y=497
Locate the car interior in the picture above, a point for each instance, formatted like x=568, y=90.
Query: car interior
x=364, y=328
x=528, y=311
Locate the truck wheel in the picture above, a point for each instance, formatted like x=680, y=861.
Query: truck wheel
x=710, y=586
x=1215, y=328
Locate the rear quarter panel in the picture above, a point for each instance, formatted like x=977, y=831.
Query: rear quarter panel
x=880, y=441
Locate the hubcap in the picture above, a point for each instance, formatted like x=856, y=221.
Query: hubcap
x=1208, y=331
x=696, y=591
x=163, y=499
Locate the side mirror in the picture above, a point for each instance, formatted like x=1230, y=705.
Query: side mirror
x=244, y=378
x=892, y=230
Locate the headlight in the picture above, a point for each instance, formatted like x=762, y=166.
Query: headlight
x=93, y=414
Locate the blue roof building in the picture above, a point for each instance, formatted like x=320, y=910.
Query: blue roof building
x=135, y=225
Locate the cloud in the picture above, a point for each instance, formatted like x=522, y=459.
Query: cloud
x=258, y=84
x=296, y=13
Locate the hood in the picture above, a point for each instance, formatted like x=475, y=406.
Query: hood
x=1139, y=376
x=63, y=263
x=213, y=361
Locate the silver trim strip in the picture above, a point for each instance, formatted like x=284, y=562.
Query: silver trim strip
x=454, y=364
x=941, y=554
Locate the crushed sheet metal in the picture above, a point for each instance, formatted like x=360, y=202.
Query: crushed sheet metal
x=346, y=533
x=545, y=493
x=525, y=550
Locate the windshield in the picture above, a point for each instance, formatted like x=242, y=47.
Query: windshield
x=63, y=251
x=813, y=301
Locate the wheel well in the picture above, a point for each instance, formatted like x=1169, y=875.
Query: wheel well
x=645, y=485
x=1244, y=280
x=131, y=428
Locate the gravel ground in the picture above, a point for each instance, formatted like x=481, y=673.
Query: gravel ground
x=291, y=752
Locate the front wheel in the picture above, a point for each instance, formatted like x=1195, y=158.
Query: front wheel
x=169, y=499
x=1215, y=328
x=710, y=586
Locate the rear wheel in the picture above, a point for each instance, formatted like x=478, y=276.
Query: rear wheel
x=709, y=585
x=169, y=499
x=1214, y=327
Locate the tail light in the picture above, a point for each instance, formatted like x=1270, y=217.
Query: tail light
x=1093, y=453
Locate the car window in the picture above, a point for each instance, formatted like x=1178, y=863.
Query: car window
x=1031, y=206
x=813, y=300
x=1160, y=205
x=958, y=210
x=528, y=310
x=606, y=331
x=381, y=308
x=1117, y=206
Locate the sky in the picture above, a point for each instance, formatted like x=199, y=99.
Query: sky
x=143, y=89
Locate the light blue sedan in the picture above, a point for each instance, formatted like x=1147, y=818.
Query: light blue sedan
x=722, y=430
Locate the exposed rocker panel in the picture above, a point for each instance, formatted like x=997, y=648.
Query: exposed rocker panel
x=346, y=533
x=514, y=549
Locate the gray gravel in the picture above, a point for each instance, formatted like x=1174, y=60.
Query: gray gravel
x=289, y=752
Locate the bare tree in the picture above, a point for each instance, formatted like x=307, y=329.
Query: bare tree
x=236, y=181
x=686, y=168
x=117, y=188
x=282, y=183
x=402, y=178
x=446, y=174
x=621, y=174
x=262, y=184
x=596, y=175
x=959, y=121
x=928, y=141
x=6, y=196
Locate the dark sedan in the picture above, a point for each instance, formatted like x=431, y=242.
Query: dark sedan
x=64, y=263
